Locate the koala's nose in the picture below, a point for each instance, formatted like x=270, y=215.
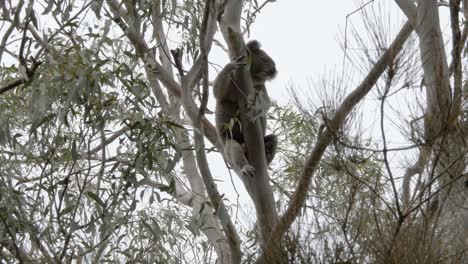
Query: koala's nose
x=271, y=72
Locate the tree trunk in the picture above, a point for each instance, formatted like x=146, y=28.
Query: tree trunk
x=443, y=130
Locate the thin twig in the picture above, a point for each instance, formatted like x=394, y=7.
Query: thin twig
x=13, y=240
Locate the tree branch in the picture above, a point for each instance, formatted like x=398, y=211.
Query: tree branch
x=156, y=73
x=154, y=68
x=197, y=117
x=326, y=137
x=409, y=9
x=457, y=46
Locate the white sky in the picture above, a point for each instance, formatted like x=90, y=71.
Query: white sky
x=301, y=35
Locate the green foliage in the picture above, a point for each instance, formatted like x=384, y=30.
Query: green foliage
x=56, y=180
x=347, y=192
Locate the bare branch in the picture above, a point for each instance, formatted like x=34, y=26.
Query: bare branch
x=416, y=168
x=327, y=136
x=457, y=46
x=196, y=116
x=384, y=142
x=157, y=72
x=408, y=7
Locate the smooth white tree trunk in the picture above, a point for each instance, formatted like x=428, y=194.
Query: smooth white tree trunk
x=443, y=131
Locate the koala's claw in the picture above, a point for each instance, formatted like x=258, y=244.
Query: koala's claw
x=240, y=61
x=255, y=108
x=248, y=170
x=253, y=114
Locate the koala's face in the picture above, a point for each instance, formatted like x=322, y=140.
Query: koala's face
x=262, y=66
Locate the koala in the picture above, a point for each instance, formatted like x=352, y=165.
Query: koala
x=227, y=94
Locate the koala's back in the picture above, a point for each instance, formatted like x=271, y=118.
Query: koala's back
x=227, y=119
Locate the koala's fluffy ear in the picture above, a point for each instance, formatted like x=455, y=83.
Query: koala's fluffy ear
x=253, y=46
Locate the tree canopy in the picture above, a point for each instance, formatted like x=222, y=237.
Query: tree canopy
x=107, y=138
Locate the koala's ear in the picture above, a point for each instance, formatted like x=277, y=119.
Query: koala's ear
x=253, y=46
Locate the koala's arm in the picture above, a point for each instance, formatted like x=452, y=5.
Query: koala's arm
x=259, y=104
x=264, y=99
x=224, y=82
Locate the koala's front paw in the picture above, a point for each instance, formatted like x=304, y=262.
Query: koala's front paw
x=248, y=170
x=252, y=115
x=255, y=108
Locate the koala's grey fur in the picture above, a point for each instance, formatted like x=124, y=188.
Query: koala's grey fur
x=228, y=94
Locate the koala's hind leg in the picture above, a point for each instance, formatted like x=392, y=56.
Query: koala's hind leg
x=235, y=154
x=271, y=142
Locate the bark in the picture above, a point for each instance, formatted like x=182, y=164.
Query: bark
x=443, y=130
x=416, y=168
x=210, y=225
x=196, y=116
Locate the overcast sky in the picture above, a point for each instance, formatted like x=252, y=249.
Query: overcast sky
x=301, y=36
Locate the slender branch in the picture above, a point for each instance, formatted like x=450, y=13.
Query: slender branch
x=8, y=32
x=384, y=142
x=345, y=44
x=13, y=240
x=161, y=37
x=142, y=50
x=195, y=73
x=197, y=117
x=408, y=147
x=109, y=140
x=154, y=68
x=457, y=47
x=409, y=8
x=6, y=35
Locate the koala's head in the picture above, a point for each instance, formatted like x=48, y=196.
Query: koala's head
x=262, y=66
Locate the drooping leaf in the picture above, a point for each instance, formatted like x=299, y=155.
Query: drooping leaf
x=96, y=198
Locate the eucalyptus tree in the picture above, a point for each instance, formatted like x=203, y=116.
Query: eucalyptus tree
x=104, y=136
